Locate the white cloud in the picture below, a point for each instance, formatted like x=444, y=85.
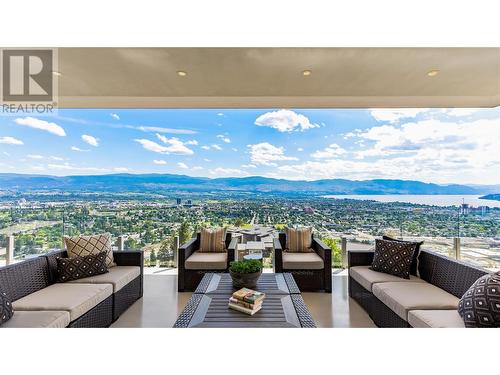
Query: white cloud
x=205, y=147
x=433, y=150
x=329, y=152
x=460, y=112
x=266, y=154
x=227, y=171
x=224, y=138
x=56, y=158
x=393, y=115
x=115, y=116
x=37, y=168
x=77, y=149
x=152, y=146
x=159, y=162
x=193, y=142
x=220, y=114
x=121, y=169
x=248, y=166
x=217, y=147
x=285, y=120
x=182, y=165
x=175, y=146
x=234, y=149
x=207, y=160
x=5, y=152
x=42, y=125
x=11, y=141
x=157, y=129
x=34, y=156
x=300, y=149
x=71, y=168
x=90, y=140
x=197, y=168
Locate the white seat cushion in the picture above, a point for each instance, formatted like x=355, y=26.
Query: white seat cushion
x=38, y=319
x=435, y=319
x=118, y=276
x=367, y=277
x=206, y=261
x=401, y=297
x=76, y=299
x=302, y=261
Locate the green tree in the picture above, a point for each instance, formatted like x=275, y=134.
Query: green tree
x=164, y=252
x=238, y=222
x=333, y=244
x=184, y=232
x=152, y=258
x=131, y=244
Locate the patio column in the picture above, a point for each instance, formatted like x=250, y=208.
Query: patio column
x=9, y=254
x=343, y=253
x=456, y=247
x=121, y=243
x=176, y=250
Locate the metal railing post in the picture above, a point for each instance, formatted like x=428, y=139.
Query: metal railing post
x=121, y=243
x=176, y=250
x=343, y=252
x=9, y=254
x=456, y=247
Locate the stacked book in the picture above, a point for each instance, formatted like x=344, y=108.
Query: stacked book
x=247, y=301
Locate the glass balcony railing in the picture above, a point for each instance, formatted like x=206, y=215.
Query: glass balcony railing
x=159, y=228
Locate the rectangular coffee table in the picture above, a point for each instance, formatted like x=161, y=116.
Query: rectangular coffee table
x=283, y=306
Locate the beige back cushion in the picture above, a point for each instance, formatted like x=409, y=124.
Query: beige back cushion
x=299, y=240
x=79, y=246
x=213, y=240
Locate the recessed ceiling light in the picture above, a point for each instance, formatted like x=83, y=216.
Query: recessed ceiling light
x=433, y=73
x=57, y=74
x=181, y=73
x=306, y=73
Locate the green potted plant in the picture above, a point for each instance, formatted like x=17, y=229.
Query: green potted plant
x=245, y=273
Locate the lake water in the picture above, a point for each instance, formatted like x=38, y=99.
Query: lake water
x=433, y=200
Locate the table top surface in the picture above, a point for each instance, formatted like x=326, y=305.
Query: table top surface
x=282, y=307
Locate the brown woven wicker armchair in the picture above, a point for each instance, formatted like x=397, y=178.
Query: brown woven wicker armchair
x=311, y=271
x=193, y=264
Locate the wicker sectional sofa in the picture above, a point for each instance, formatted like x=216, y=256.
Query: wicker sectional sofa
x=93, y=302
x=427, y=301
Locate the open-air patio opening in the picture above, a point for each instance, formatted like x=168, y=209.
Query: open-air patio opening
x=140, y=162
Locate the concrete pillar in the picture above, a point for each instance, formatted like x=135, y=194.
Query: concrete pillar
x=176, y=250
x=9, y=254
x=121, y=243
x=456, y=247
x=343, y=244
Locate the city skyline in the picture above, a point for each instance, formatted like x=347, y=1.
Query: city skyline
x=431, y=145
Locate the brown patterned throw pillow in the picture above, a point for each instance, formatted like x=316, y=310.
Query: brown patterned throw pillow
x=299, y=240
x=6, y=310
x=79, y=246
x=393, y=257
x=213, y=240
x=480, y=305
x=80, y=267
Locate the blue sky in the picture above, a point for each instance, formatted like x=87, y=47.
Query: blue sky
x=432, y=145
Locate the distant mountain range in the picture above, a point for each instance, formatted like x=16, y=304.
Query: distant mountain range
x=171, y=182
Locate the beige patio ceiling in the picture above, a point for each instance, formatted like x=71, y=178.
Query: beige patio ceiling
x=273, y=77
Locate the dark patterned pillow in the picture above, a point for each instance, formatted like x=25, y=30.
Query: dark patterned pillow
x=414, y=262
x=79, y=267
x=393, y=257
x=6, y=310
x=480, y=305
